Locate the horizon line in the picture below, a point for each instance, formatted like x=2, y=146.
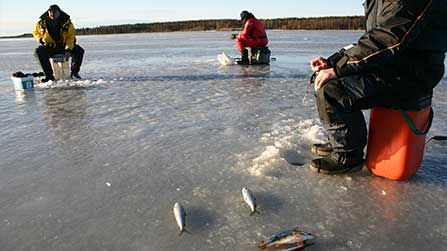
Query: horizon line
x=188, y=20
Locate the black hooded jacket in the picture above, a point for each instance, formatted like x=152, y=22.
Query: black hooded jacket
x=396, y=29
x=58, y=33
x=54, y=26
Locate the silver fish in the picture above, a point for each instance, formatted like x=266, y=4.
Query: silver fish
x=250, y=199
x=288, y=240
x=180, y=217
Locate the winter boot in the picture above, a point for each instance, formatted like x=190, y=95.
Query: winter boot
x=321, y=150
x=244, y=58
x=337, y=163
x=76, y=76
x=47, y=78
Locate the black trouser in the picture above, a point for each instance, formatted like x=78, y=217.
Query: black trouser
x=44, y=53
x=340, y=101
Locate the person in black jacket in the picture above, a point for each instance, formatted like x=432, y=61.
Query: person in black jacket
x=396, y=63
x=56, y=35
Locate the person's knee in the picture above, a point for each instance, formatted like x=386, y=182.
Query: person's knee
x=240, y=47
x=40, y=50
x=335, y=93
x=328, y=90
x=78, y=50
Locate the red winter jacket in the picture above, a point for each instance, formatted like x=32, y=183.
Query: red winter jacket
x=253, y=35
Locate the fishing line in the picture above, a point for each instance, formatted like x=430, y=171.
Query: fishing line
x=437, y=138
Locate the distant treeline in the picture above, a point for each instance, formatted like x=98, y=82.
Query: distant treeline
x=317, y=23
x=19, y=36
x=321, y=23
x=314, y=23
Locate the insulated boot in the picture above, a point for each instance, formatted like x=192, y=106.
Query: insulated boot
x=75, y=76
x=337, y=163
x=47, y=78
x=322, y=150
x=244, y=58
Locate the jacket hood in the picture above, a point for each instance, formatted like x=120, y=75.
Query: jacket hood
x=63, y=17
x=246, y=15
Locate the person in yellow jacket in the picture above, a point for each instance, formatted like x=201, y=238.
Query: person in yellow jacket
x=57, y=35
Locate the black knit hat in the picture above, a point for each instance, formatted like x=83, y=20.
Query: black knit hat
x=245, y=14
x=54, y=7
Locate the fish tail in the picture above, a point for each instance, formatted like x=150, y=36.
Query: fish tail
x=254, y=212
x=184, y=230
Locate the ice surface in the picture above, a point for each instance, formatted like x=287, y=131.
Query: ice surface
x=97, y=164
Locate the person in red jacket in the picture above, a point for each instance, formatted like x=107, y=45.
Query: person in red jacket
x=253, y=34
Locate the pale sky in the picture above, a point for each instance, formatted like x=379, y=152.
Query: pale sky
x=18, y=17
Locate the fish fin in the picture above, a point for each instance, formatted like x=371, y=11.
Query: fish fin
x=262, y=245
x=254, y=212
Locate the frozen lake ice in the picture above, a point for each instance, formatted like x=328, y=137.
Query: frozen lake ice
x=98, y=164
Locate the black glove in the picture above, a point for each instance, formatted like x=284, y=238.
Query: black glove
x=18, y=74
x=333, y=59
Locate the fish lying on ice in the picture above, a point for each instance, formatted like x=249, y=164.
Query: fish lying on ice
x=250, y=199
x=180, y=217
x=288, y=240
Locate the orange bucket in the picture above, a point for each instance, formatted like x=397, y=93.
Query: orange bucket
x=395, y=142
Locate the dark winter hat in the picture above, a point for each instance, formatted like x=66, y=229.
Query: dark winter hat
x=245, y=14
x=54, y=7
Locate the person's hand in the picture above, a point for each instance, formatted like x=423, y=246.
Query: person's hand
x=41, y=41
x=67, y=54
x=233, y=36
x=318, y=64
x=324, y=76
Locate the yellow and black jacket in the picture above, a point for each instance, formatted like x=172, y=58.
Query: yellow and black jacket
x=63, y=29
x=395, y=28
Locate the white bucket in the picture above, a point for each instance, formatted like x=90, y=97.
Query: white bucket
x=60, y=65
x=24, y=83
